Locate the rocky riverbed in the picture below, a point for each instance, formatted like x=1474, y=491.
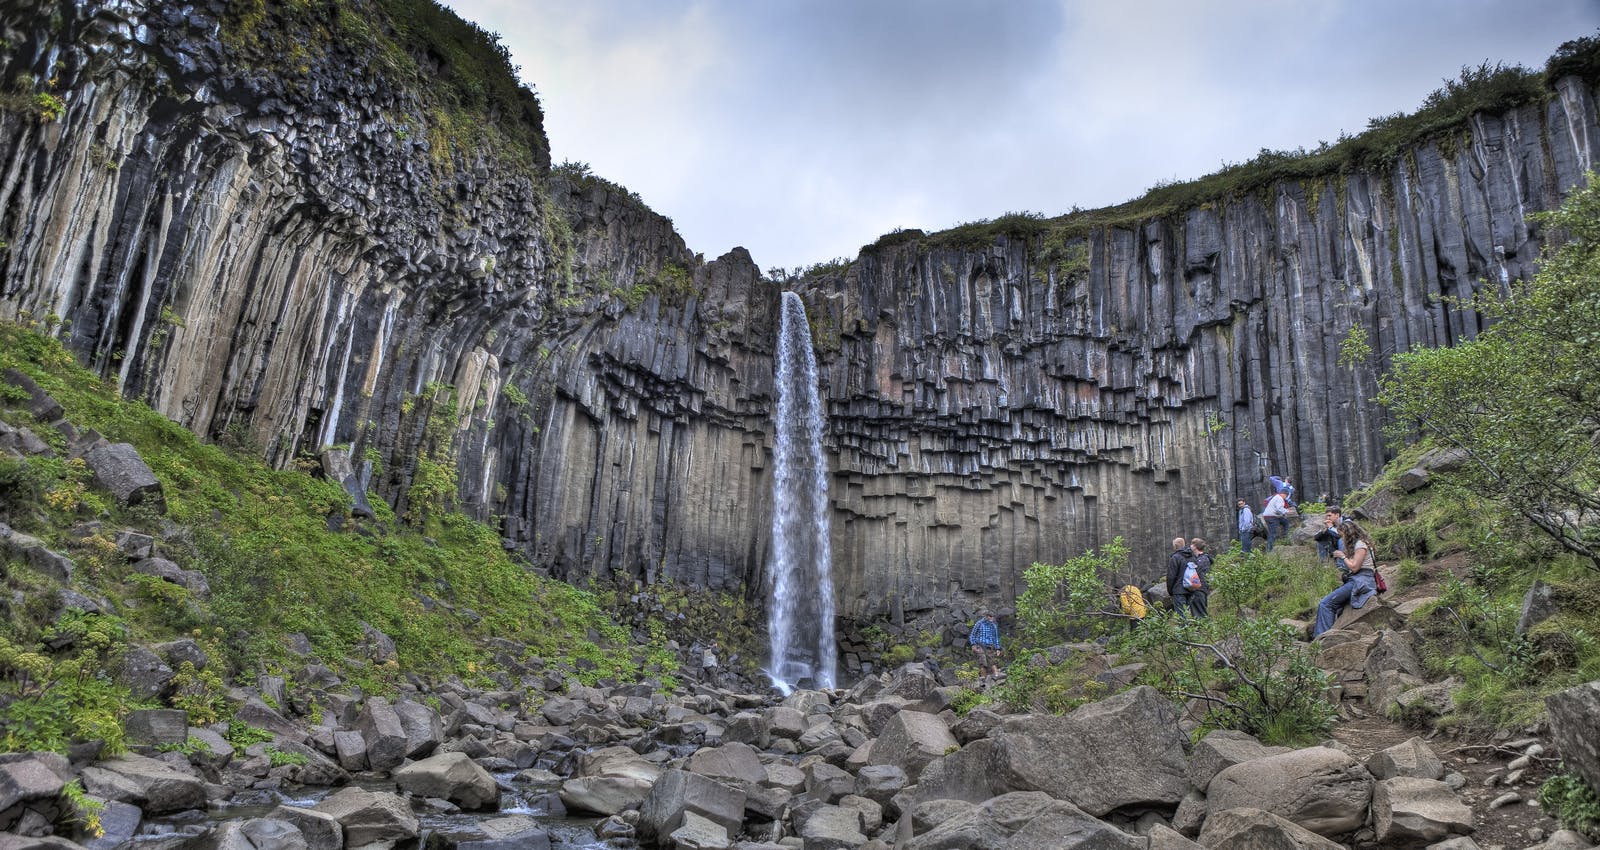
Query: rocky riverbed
x=886, y=763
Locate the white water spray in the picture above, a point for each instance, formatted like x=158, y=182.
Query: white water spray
x=800, y=614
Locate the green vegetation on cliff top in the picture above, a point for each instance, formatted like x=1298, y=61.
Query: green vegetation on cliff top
x=1443, y=118
x=460, y=70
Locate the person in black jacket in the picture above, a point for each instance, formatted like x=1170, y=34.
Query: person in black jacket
x=1177, y=562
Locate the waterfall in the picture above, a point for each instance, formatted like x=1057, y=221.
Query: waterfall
x=800, y=613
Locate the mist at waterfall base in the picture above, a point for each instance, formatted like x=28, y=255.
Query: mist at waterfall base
x=800, y=607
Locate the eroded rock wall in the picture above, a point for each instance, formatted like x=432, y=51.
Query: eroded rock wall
x=297, y=257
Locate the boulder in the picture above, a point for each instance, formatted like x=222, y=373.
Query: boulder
x=978, y=723
x=747, y=727
x=453, y=777
x=871, y=811
x=609, y=781
x=1408, y=810
x=912, y=682
x=191, y=580
x=788, y=777
x=910, y=740
x=384, y=733
x=513, y=832
x=1412, y=758
x=32, y=782
x=1392, y=650
x=880, y=782
x=1125, y=751
x=321, y=830
x=351, y=749
x=1538, y=604
x=370, y=817
x=144, y=673
x=152, y=785
x=1254, y=829
x=731, y=761
x=1165, y=838
x=157, y=727
x=828, y=783
x=1321, y=789
x=1425, y=703
x=134, y=545
x=39, y=403
x=119, y=469
x=181, y=651
x=699, y=833
x=1386, y=687
x=256, y=713
x=678, y=792
x=119, y=823
x=336, y=466
x=423, y=727
x=1574, y=715
x=786, y=722
x=253, y=834
x=1223, y=749
x=833, y=828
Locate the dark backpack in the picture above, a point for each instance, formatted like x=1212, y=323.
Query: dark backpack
x=1258, y=527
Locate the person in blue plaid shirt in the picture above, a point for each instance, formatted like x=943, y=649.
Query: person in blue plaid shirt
x=985, y=641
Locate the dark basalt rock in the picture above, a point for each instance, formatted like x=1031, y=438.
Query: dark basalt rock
x=287, y=260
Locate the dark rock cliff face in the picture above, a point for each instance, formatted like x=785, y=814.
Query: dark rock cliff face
x=299, y=257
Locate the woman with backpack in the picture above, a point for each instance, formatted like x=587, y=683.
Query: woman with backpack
x=1359, y=572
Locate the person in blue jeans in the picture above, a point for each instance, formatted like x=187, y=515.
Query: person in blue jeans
x=1358, y=587
x=1273, y=514
x=1246, y=528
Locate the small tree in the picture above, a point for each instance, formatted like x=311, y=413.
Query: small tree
x=1061, y=598
x=1244, y=673
x=1522, y=401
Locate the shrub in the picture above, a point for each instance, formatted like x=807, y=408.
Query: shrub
x=1573, y=803
x=1060, y=597
x=1250, y=674
x=49, y=700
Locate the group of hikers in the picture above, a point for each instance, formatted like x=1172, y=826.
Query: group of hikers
x=1188, y=572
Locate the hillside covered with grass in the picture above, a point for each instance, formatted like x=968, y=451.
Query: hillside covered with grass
x=281, y=557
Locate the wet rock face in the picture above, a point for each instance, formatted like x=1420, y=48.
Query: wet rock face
x=297, y=257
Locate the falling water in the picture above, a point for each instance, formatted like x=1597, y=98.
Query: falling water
x=800, y=617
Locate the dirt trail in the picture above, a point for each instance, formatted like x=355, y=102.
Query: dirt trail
x=1482, y=759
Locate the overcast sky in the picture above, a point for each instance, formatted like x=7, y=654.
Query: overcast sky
x=803, y=130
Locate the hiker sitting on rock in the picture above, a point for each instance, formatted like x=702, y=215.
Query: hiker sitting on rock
x=1356, y=570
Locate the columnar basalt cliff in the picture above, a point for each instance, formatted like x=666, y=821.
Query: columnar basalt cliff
x=278, y=231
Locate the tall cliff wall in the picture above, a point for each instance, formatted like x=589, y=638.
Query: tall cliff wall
x=302, y=251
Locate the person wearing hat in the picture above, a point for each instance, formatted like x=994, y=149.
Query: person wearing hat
x=985, y=642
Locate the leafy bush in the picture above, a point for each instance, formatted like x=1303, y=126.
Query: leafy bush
x=966, y=699
x=1033, y=683
x=1058, y=598
x=241, y=735
x=49, y=700
x=1249, y=674
x=1572, y=802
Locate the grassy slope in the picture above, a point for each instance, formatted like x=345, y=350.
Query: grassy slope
x=263, y=539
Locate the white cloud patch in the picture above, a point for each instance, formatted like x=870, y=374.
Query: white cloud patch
x=802, y=130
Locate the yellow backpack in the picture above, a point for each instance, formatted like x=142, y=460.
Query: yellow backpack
x=1132, y=602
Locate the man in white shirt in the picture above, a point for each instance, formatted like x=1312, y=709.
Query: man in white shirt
x=1277, y=523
